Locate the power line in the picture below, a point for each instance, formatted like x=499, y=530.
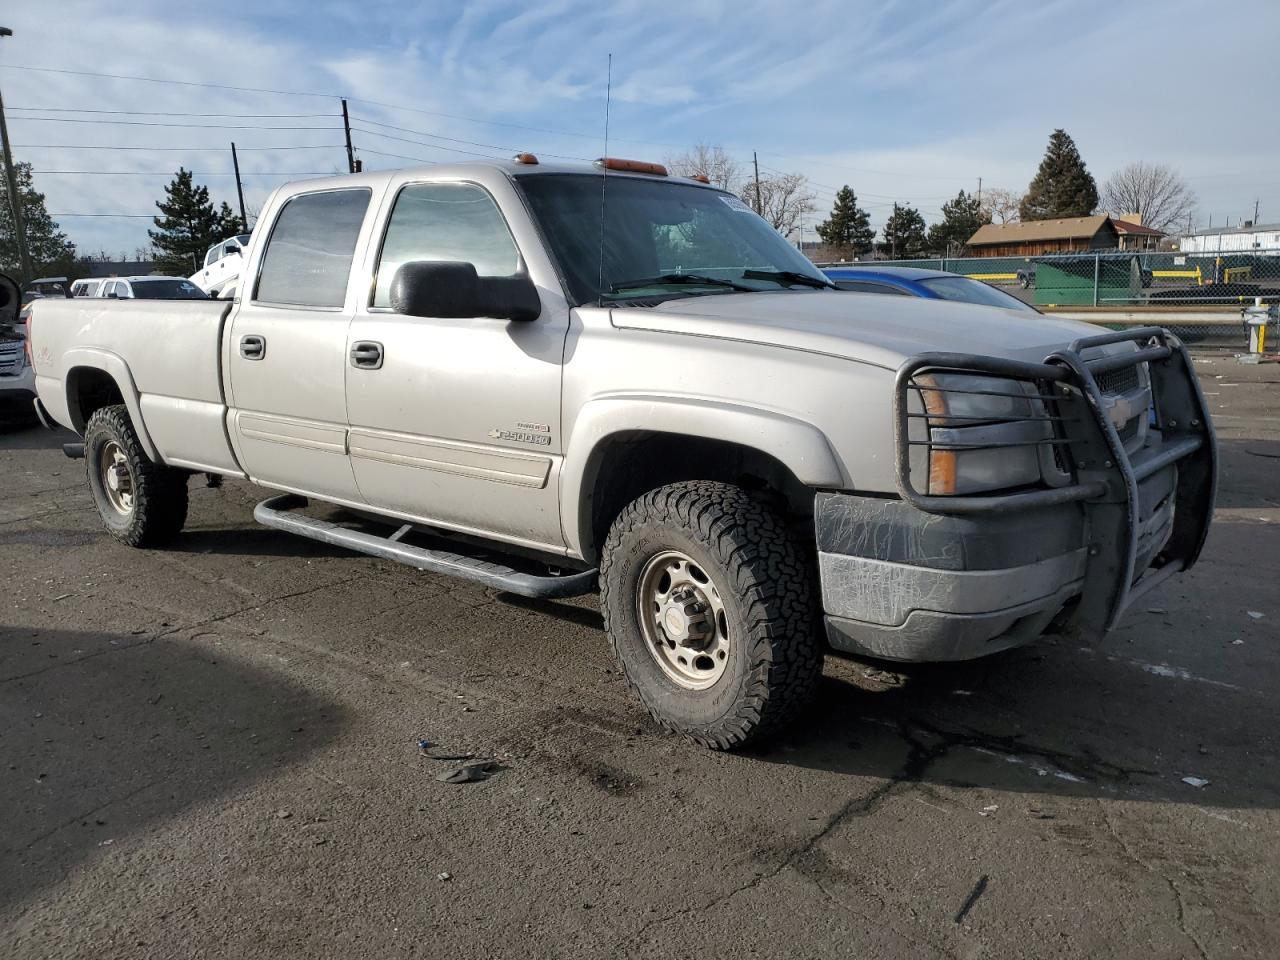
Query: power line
x=194, y=173
x=83, y=146
x=162, y=123
x=472, y=143
x=145, y=216
x=330, y=96
x=423, y=143
x=182, y=83
x=163, y=113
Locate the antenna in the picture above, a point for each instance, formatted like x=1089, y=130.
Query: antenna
x=604, y=171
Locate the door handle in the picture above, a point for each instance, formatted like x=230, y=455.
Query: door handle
x=366, y=354
x=253, y=347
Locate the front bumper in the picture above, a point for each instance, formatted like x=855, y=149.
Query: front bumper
x=19, y=387
x=956, y=577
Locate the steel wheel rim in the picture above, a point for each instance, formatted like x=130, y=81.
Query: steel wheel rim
x=683, y=621
x=117, y=478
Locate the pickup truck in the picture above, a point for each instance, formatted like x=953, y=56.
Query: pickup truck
x=547, y=377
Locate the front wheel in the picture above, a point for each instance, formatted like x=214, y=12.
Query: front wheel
x=707, y=603
x=142, y=503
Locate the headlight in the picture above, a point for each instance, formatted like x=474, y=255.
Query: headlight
x=985, y=433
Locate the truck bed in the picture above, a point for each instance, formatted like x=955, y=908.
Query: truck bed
x=166, y=359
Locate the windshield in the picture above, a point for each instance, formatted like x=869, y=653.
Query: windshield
x=167, y=290
x=655, y=229
x=974, y=291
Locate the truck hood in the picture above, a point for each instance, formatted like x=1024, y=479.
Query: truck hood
x=867, y=327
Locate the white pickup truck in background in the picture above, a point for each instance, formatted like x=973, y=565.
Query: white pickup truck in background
x=544, y=376
x=223, y=262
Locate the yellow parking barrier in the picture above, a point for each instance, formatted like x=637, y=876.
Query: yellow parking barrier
x=1195, y=275
x=992, y=276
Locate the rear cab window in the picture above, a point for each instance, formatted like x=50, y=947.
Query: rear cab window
x=307, y=261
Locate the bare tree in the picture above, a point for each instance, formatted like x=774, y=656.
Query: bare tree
x=1153, y=190
x=784, y=198
x=708, y=160
x=1001, y=205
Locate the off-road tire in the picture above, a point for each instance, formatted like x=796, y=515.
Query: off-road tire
x=159, y=492
x=766, y=583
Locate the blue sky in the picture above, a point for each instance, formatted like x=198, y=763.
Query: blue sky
x=906, y=101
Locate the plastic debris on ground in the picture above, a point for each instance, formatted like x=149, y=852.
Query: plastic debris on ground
x=470, y=772
x=1196, y=782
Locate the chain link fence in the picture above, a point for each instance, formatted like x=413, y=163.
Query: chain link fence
x=1199, y=296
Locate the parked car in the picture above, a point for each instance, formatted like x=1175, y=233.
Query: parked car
x=150, y=288
x=222, y=263
x=45, y=287
x=929, y=284
x=17, y=378
x=532, y=389
x=87, y=287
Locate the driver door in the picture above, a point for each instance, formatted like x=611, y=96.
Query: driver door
x=456, y=422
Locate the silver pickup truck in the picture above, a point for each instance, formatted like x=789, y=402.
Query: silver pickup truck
x=544, y=377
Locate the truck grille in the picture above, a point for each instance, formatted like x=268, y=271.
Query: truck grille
x=1118, y=381
x=10, y=357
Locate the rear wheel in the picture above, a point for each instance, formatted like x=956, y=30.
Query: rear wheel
x=142, y=503
x=707, y=604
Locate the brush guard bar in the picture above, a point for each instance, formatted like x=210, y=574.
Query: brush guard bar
x=1098, y=473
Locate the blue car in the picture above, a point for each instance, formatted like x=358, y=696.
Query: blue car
x=929, y=284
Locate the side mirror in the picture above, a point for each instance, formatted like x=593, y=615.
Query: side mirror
x=431, y=288
x=113, y=295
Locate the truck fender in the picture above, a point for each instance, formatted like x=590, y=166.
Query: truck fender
x=114, y=366
x=798, y=445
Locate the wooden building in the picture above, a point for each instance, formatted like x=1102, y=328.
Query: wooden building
x=1033, y=238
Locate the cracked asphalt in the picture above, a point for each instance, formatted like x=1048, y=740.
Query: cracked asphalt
x=212, y=751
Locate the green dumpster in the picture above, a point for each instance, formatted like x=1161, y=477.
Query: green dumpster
x=1069, y=280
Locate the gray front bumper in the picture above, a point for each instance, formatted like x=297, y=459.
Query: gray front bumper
x=902, y=584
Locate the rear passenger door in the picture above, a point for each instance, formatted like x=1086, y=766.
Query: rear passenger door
x=286, y=353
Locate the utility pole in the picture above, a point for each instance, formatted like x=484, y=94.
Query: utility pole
x=1255, y=212
x=893, y=239
x=235, y=162
x=346, y=125
x=15, y=199
x=756, y=163
x=979, y=192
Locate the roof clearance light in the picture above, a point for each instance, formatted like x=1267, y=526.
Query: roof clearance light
x=632, y=166
x=528, y=158
x=701, y=178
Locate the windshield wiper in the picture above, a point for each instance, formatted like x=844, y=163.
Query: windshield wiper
x=789, y=277
x=679, y=279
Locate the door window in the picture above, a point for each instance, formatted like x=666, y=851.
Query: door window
x=456, y=222
x=308, y=258
x=212, y=256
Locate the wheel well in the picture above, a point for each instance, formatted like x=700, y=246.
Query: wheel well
x=90, y=389
x=626, y=465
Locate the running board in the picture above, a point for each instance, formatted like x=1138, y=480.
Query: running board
x=275, y=513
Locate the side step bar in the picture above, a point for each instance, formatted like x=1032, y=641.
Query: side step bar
x=275, y=513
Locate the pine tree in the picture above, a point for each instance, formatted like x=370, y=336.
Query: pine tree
x=1062, y=187
x=904, y=233
x=231, y=224
x=961, y=219
x=849, y=227
x=51, y=252
x=188, y=227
